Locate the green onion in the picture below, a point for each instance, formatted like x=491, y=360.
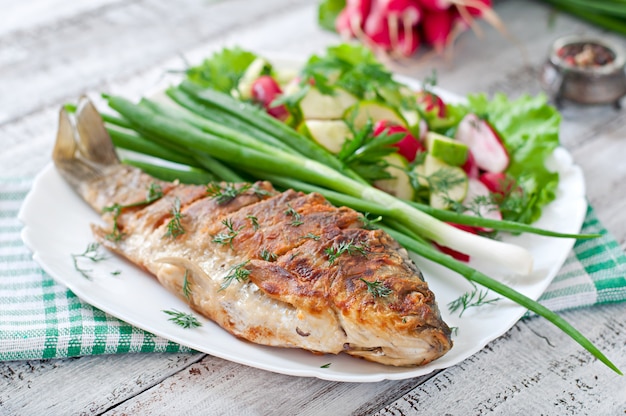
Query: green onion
x=183, y=135
x=424, y=250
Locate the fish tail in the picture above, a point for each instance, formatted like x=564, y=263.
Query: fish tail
x=83, y=147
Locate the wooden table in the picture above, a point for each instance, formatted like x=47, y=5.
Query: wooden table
x=52, y=51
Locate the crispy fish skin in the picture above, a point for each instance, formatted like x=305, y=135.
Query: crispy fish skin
x=281, y=269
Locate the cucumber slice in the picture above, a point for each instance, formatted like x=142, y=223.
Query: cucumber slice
x=315, y=105
x=400, y=183
x=452, y=152
x=257, y=68
x=364, y=110
x=331, y=134
x=448, y=183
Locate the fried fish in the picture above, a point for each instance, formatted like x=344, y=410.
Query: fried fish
x=284, y=269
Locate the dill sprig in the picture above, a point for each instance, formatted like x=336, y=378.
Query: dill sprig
x=369, y=223
x=186, y=320
x=377, y=288
x=154, y=192
x=227, y=238
x=475, y=298
x=186, y=285
x=254, y=220
x=311, y=236
x=93, y=253
x=297, y=218
x=223, y=194
x=174, y=226
x=268, y=255
x=349, y=247
x=238, y=273
x=226, y=193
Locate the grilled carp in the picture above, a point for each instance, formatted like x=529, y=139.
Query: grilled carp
x=284, y=269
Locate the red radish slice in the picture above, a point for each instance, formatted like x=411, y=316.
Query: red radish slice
x=477, y=190
x=470, y=167
x=431, y=101
x=408, y=146
x=265, y=89
x=457, y=255
x=499, y=183
x=487, y=149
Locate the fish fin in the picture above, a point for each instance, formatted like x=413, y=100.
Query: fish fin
x=83, y=148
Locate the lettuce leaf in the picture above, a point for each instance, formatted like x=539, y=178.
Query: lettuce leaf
x=222, y=70
x=529, y=129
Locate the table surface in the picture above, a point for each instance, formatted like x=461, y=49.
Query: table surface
x=52, y=51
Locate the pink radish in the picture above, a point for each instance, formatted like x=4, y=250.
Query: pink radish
x=351, y=19
x=487, y=149
x=436, y=28
x=391, y=25
x=476, y=190
x=431, y=102
x=408, y=146
x=265, y=89
x=470, y=166
x=499, y=183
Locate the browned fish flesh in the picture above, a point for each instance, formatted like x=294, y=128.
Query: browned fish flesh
x=284, y=269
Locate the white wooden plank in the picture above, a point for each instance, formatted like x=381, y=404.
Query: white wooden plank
x=533, y=369
x=53, y=63
x=25, y=15
x=88, y=385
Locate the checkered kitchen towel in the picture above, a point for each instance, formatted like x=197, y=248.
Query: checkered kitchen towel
x=42, y=319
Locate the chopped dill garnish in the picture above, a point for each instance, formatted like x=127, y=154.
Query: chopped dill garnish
x=377, y=288
x=93, y=253
x=236, y=273
x=296, y=216
x=174, y=227
x=369, y=223
x=473, y=299
x=311, y=236
x=228, y=192
x=268, y=255
x=116, y=272
x=325, y=365
x=254, y=220
x=154, y=192
x=186, y=286
x=344, y=247
x=227, y=238
x=186, y=320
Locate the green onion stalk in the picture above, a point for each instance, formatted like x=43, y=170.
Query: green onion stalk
x=214, y=150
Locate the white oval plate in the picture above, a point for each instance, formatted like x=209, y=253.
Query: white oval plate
x=57, y=225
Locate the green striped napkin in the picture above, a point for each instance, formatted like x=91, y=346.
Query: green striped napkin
x=42, y=319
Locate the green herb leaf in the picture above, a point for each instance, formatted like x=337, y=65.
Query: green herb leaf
x=92, y=253
x=186, y=320
x=349, y=247
x=377, y=288
x=238, y=273
x=223, y=70
x=174, y=226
